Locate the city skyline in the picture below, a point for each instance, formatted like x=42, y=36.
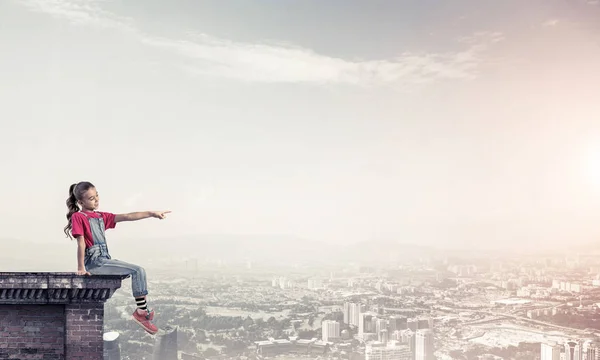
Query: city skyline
x=450, y=308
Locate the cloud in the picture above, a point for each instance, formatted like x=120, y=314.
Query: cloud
x=210, y=56
x=204, y=55
x=81, y=12
x=550, y=23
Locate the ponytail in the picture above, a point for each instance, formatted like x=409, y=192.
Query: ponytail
x=75, y=193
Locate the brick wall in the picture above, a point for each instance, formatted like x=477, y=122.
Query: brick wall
x=32, y=332
x=53, y=316
x=84, y=324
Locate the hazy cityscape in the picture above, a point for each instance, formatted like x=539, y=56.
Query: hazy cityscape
x=413, y=303
x=344, y=179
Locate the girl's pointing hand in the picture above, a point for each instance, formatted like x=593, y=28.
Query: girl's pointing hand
x=159, y=214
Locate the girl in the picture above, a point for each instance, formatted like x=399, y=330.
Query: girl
x=88, y=227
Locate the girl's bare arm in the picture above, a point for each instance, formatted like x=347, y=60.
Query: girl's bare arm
x=140, y=215
x=81, y=256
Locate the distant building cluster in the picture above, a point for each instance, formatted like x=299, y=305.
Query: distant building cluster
x=463, y=270
x=567, y=286
x=273, y=347
x=571, y=350
x=390, y=351
x=388, y=313
x=391, y=334
x=284, y=283
x=314, y=284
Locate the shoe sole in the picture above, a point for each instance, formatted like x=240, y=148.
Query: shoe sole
x=143, y=327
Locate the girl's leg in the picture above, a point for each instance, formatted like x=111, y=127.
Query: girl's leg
x=139, y=288
x=139, y=284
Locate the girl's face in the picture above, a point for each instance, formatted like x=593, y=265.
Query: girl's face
x=90, y=200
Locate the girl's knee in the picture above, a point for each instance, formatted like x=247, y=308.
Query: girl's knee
x=140, y=271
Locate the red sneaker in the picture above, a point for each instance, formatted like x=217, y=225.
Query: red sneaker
x=145, y=322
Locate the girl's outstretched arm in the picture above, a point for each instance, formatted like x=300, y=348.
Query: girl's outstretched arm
x=141, y=215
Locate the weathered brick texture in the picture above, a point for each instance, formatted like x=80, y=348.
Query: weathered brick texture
x=32, y=332
x=84, y=323
x=53, y=316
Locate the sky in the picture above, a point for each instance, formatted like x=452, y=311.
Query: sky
x=429, y=122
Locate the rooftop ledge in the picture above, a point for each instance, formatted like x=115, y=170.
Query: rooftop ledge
x=56, y=287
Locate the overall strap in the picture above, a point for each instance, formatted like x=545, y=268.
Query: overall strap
x=98, y=224
x=87, y=216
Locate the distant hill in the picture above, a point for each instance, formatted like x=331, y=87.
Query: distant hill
x=271, y=248
x=227, y=247
x=60, y=255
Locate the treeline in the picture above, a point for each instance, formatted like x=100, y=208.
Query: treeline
x=218, y=323
x=335, y=316
x=525, y=351
x=579, y=321
x=215, y=323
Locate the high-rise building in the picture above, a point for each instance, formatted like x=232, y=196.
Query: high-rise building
x=383, y=336
x=165, y=345
x=372, y=328
x=330, y=330
x=430, y=321
x=346, y=313
x=573, y=350
x=352, y=313
x=591, y=350
x=380, y=324
x=550, y=351
x=365, y=324
x=391, y=351
x=356, y=310
x=411, y=340
x=281, y=282
x=408, y=337
x=424, y=345
x=112, y=350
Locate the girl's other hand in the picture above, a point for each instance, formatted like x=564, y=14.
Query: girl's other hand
x=160, y=214
x=83, y=272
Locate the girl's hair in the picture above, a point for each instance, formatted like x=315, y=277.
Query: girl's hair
x=76, y=192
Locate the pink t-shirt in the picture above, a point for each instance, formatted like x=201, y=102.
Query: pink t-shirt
x=81, y=225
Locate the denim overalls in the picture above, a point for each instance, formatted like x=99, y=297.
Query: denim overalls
x=99, y=262
x=96, y=255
